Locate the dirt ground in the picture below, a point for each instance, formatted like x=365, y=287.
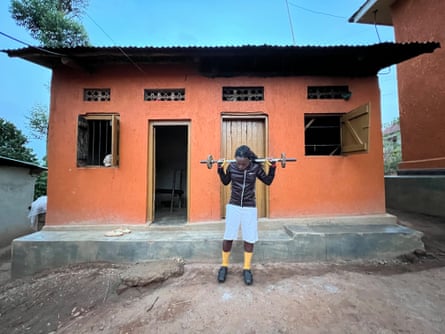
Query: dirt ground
x=404, y=295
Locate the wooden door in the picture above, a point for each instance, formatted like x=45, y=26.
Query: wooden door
x=250, y=132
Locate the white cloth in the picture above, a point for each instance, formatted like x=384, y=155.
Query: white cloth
x=37, y=207
x=244, y=216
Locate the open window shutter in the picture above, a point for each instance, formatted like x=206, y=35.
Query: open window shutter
x=355, y=130
x=115, y=139
x=82, y=141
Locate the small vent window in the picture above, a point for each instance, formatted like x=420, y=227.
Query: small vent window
x=96, y=94
x=328, y=92
x=164, y=94
x=243, y=94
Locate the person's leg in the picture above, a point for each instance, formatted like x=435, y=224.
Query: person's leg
x=250, y=235
x=247, y=272
x=222, y=272
x=226, y=249
x=248, y=253
x=230, y=233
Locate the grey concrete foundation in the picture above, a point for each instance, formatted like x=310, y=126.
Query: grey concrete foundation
x=296, y=240
x=416, y=193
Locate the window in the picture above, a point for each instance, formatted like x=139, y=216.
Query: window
x=97, y=138
x=334, y=134
x=322, y=135
x=97, y=94
x=243, y=94
x=164, y=94
x=328, y=92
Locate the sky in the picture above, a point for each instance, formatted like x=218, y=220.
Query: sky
x=25, y=85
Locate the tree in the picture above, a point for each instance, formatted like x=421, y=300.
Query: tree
x=13, y=143
x=52, y=22
x=38, y=121
x=38, y=124
x=41, y=182
x=392, y=148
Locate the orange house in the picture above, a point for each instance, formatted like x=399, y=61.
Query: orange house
x=129, y=127
x=421, y=91
x=420, y=80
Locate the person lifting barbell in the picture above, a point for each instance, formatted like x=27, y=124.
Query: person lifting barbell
x=241, y=209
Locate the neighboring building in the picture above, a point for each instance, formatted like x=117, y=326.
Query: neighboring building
x=421, y=92
x=155, y=112
x=17, y=180
x=391, y=133
x=392, y=147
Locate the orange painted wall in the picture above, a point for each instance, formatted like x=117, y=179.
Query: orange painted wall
x=421, y=84
x=313, y=186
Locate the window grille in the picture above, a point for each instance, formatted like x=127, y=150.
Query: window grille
x=243, y=94
x=97, y=138
x=328, y=92
x=96, y=94
x=164, y=94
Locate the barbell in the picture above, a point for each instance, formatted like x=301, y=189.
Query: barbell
x=210, y=161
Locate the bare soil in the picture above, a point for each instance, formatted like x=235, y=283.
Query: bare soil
x=403, y=295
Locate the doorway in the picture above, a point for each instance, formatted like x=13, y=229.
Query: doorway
x=251, y=131
x=169, y=156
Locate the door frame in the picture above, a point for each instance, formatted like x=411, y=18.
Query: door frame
x=250, y=116
x=151, y=166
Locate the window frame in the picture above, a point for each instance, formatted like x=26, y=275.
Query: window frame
x=83, y=138
x=353, y=131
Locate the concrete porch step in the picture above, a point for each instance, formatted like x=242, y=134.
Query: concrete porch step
x=51, y=248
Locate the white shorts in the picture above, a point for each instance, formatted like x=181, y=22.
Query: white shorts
x=246, y=217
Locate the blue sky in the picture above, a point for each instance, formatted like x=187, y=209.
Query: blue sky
x=190, y=23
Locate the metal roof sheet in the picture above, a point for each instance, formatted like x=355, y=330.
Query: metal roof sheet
x=5, y=161
x=262, y=60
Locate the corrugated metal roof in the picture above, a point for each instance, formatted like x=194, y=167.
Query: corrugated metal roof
x=5, y=161
x=263, y=60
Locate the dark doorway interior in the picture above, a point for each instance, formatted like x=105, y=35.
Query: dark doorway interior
x=171, y=174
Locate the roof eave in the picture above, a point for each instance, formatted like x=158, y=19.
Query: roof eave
x=374, y=12
x=33, y=168
x=353, y=61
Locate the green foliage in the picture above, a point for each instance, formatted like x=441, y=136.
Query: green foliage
x=52, y=22
x=38, y=121
x=392, y=148
x=41, y=183
x=13, y=143
x=38, y=124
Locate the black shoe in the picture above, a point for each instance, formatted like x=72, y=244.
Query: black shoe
x=248, y=277
x=222, y=273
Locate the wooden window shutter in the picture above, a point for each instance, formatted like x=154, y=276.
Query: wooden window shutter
x=355, y=130
x=115, y=139
x=82, y=141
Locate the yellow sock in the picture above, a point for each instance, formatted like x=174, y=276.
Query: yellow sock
x=247, y=260
x=225, y=259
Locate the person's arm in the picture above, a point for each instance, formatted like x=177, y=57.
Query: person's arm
x=267, y=179
x=224, y=176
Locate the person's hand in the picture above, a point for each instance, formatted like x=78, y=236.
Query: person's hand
x=222, y=164
x=270, y=162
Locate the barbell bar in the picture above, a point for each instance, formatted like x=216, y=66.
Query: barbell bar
x=283, y=160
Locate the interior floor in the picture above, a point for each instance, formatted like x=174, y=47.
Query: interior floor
x=164, y=217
